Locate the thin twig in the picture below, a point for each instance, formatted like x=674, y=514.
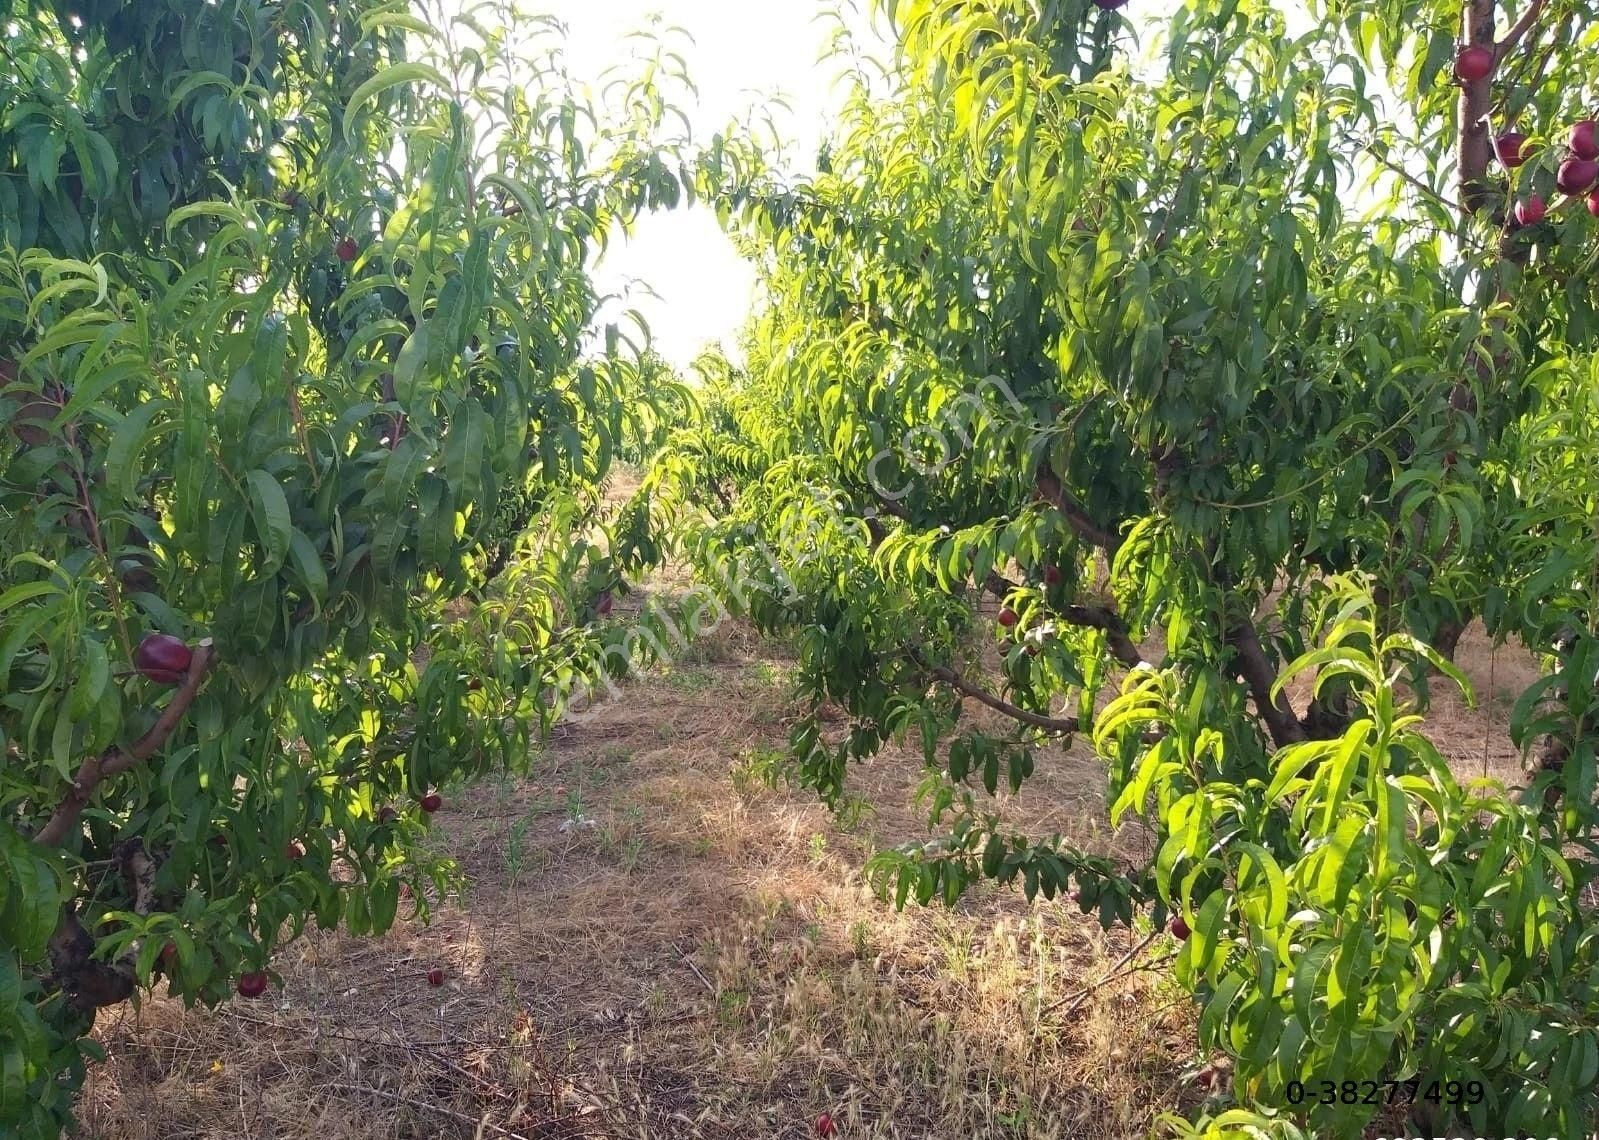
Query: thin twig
x=1063, y=726
x=698, y=973
x=1075, y=1000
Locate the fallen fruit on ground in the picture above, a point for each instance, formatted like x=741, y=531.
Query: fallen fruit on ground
x=436, y=976
x=162, y=658
x=824, y=1122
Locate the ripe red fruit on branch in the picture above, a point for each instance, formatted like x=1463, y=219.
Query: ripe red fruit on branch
x=253, y=985
x=432, y=802
x=1593, y=203
x=346, y=251
x=435, y=976
x=294, y=850
x=1531, y=212
x=1052, y=575
x=1585, y=139
x=1511, y=147
x=1179, y=928
x=1474, y=63
x=1576, y=175
x=387, y=815
x=824, y=1122
x=603, y=606
x=162, y=658
x=1007, y=617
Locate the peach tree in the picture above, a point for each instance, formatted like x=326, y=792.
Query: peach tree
x=1184, y=381
x=294, y=351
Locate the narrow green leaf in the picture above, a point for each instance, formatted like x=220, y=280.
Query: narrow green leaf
x=269, y=508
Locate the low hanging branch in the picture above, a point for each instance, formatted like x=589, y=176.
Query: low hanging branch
x=114, y=760
x=1061, y=726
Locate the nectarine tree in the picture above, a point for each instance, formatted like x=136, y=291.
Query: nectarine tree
x=293, y=302
x=1194, y=372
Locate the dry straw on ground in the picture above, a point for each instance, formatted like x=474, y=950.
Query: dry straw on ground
x=656, y=943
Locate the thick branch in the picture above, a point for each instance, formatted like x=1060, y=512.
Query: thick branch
x=1279, y=715
x=1513, y=37
x=1475, y=148
x=1053, y=491
x=1109, y=623
x=114, y=760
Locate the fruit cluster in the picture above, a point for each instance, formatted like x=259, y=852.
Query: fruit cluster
x=1577, y=174
x=1578, y=171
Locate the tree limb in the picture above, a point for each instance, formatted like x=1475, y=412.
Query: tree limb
x=1110, y=623
x=1090, y=616
x=1475, y=149
x=1062, y=726
x=114, y=760
x=1519, y=29
x=1258, y=674
x=1053, y=491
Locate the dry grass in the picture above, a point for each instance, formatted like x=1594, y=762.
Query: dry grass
x=657, y=943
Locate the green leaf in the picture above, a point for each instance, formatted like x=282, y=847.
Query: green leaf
x=269, y=508
x=408, y=367
x=27, y=592
x=385, y=80
x=14, y=1101
x=465, y=448
x=132, y=435
x=308, y=567
x=94, y=673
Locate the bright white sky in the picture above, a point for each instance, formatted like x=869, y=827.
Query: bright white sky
x=743, y=52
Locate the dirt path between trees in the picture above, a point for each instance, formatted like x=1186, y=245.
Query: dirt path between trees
x=657, y=943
